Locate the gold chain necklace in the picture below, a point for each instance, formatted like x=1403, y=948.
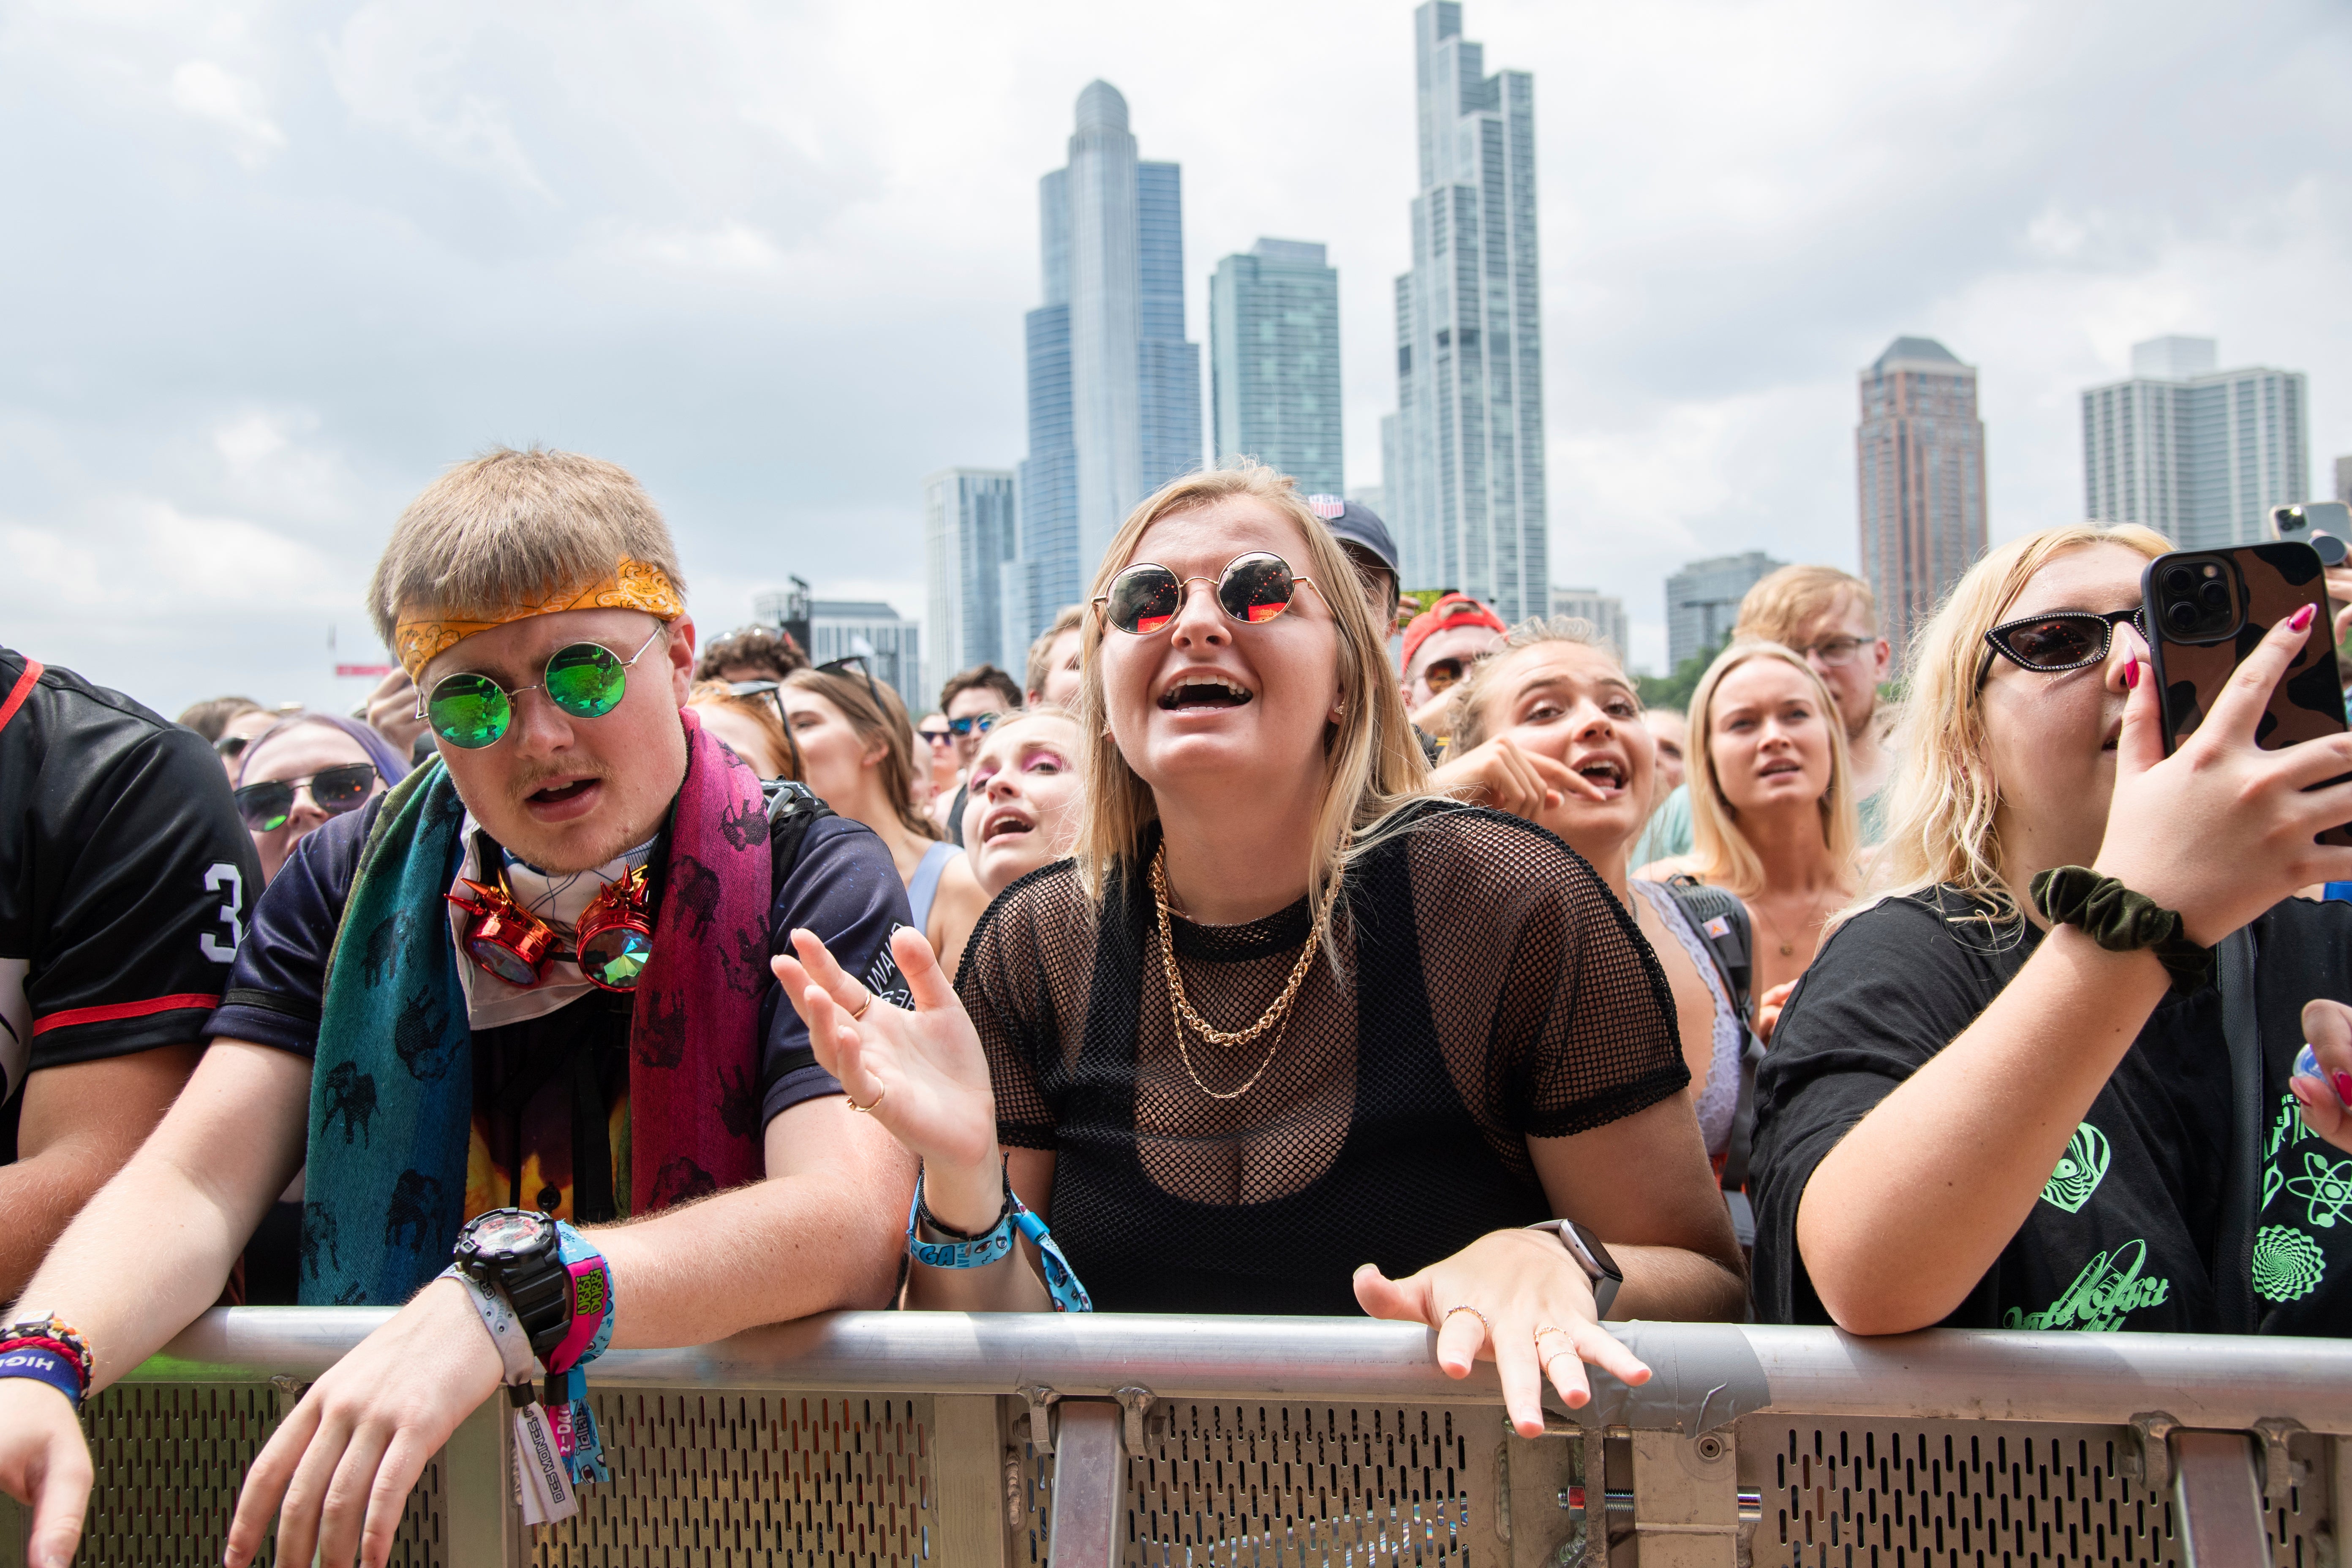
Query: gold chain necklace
x=1181, y=1010
x=1788, y=947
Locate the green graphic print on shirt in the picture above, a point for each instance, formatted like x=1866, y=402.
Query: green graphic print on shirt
x=2110, y=1285
x=2317, y=1188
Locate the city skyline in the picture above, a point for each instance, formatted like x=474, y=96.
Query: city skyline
x=781, y=283
x=1274, y=356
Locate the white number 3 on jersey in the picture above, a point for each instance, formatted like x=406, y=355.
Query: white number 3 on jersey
x=218, y=875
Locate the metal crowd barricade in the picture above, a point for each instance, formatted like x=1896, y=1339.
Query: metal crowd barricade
x=1025, y=1440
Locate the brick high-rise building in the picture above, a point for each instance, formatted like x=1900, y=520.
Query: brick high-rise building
x=1920, y=457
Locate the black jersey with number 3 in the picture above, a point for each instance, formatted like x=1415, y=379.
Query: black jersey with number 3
x=124, y=878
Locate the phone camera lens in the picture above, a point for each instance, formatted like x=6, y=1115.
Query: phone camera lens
x=2180, y=580
x=2215, y=597
x=2181, y=613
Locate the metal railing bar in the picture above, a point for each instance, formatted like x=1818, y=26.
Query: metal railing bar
x=2199, y=1381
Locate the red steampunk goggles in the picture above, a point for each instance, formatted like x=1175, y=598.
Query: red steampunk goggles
x=611, y=941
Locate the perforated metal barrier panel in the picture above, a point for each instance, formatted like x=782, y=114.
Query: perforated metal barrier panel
x=709, y=1477
x=840, y=1481
x=169, y=1460
x=1953, y=1494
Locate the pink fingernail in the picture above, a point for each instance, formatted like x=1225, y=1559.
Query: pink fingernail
x=2303, y=618
x=2131, y=675
x=2344, y=1087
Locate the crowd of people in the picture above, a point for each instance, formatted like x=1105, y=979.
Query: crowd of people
x=596, y=985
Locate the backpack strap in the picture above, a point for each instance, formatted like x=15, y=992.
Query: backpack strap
x=1722, y=920
x=2233, y=1290
x=792, y=810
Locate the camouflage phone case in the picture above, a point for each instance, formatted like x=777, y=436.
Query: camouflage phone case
x=2272, y=582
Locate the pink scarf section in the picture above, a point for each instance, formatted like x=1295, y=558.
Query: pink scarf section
x=694, y=1072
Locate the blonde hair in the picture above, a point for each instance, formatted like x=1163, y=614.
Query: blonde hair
x=1723, y=855
x=1042, y=648
x=1943, y=798
x=1467, y=703
x=877, y=715
x=509, y=526
x=1372, y=764
x=1780, y=607
x=760, y=711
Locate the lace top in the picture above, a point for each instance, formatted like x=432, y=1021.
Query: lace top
x=1494, y=991
x=1718, y=1098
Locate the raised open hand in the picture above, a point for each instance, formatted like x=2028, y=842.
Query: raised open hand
x=921, y=1072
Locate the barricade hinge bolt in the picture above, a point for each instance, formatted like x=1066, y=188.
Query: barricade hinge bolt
x=1137, y=1402
x=1040, y=1419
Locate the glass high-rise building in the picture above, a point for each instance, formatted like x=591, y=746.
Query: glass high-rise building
x=970, y=532
x=1114, y=388
x=1919, y=452
x=1464, y=471
x=2200, y=455
x=1274, y=362
x=1703, y=601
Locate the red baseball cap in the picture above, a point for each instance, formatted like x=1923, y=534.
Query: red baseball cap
x=1451, y=611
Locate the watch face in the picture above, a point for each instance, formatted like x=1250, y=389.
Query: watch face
x=509, y=1234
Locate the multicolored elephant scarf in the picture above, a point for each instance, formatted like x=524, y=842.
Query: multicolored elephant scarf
x=393, y=1032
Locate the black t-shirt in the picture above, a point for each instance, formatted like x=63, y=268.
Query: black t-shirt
x=532, y=1078
x=124, y=874
x=2125, y=1232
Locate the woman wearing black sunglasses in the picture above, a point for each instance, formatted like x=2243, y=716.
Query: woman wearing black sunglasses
x=1283, y=1012
x=1976, y=1115
x=303, y=771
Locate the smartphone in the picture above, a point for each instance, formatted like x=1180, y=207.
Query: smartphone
x=2324, y=525
x=2205, y=610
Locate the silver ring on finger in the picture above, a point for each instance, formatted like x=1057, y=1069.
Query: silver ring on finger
x=1466, y=1307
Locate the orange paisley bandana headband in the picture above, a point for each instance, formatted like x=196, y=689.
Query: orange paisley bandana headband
x=634, y=586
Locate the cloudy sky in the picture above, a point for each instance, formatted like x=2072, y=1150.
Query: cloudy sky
x=265, y=270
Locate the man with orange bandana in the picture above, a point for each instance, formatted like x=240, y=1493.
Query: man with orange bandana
x=523, y=995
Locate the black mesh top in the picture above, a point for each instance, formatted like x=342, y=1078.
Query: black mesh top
x=1498, y=990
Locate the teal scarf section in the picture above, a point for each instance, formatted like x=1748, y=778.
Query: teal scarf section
x=395, y=1061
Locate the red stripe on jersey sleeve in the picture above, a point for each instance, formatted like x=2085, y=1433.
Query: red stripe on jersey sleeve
x=23, y=688
x=112, y=1010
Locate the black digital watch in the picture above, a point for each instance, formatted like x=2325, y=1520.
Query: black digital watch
x=517, y=1253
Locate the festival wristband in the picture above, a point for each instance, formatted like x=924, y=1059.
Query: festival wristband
x=591, y=1285
x=518, y=1365
x=43, y=1361
x=980, y=1251
x=2121, y=920
x=56, y=1338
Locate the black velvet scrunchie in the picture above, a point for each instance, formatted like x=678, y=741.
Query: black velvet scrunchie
x=2121, y=920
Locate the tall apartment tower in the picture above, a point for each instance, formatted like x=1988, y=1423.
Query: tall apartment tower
x=1464, y=464
x=1274, y=362
x=1919, y=452
x=2196, y=454
x=1114, y=388
x=1703, y=601
x=970, y=532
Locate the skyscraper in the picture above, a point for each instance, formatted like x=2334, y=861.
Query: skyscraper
x=1703, y=601
x=2198, y=455
x=968, y=532
x=1465, y=468
x=1114, y=388
x=1274, y=361
x=1919, y=452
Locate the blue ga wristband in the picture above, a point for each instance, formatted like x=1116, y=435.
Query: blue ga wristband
x=980, y=1251
x=42, y=1364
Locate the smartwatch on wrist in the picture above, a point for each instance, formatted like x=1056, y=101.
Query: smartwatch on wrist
x=518, y=1253
x=1591, y=1256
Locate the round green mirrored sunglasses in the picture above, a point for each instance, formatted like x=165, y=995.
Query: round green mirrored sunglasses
x=585, y=679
